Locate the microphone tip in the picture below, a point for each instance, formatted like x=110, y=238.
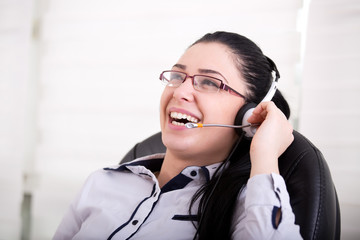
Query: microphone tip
x=191, y=125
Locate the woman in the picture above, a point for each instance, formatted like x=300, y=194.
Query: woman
x=198, y=189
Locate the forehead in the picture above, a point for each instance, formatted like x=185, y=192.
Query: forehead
x=214, y=56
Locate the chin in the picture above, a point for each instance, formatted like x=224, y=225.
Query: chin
x=178, y=142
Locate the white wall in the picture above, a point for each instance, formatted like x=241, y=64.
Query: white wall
x=15, y=35
x=330, y=106
x=93, y=88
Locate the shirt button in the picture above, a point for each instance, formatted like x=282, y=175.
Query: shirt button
x=135, y=222
x=193, y=173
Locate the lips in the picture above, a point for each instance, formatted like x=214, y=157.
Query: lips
x=180, y=119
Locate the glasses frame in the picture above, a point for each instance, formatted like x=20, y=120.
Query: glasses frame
x=223, y=86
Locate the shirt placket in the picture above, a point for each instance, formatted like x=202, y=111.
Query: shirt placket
x=142, y=211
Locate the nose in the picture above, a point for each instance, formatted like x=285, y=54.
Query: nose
x=185, y=92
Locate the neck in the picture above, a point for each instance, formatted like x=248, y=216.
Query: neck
x=173, y=164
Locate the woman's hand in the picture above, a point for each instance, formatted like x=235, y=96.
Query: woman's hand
x=271, y=139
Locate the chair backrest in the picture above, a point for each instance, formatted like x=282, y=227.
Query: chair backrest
x=312, y=193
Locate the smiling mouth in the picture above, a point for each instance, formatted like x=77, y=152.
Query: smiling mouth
x=180, y=119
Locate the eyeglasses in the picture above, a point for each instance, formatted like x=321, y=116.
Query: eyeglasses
x=201, y=83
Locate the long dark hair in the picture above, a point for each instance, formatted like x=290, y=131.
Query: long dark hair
x=217, y=198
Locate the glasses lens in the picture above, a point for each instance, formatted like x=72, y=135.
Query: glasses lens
x=173, y=79
x=207, y=84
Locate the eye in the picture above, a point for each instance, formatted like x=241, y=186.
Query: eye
x=174, y=76
x=208, y=84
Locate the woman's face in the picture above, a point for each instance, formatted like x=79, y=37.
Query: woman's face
x=211, y=144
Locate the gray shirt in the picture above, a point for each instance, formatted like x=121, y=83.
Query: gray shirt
x=126, y=202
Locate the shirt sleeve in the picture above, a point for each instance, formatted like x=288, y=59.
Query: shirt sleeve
x=72, y=221
x=263, y=198
x=69, y=225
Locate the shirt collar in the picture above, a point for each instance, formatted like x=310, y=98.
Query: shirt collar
x=151, y=162
x=154, y=162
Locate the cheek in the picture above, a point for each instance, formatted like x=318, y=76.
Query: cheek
x=233, y=112
x=166, y=96
x=164, y=100
x=225, y=111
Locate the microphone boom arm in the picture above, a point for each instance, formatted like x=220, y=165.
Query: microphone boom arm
x=200, y=125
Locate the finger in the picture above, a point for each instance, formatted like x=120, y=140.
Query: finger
x=260, y=112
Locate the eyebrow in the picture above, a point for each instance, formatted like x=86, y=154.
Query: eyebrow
x=201, y=70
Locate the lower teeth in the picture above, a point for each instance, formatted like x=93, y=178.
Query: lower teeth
x=178, y=123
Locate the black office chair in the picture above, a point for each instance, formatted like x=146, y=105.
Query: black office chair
x=312, y=193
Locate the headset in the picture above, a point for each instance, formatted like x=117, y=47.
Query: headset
x=246, y=111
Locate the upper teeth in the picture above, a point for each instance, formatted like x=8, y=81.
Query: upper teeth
x=177, y=115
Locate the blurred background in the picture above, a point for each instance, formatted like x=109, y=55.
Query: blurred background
x=79, y=87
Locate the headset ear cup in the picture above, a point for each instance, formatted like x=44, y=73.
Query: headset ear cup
x=241, y=118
